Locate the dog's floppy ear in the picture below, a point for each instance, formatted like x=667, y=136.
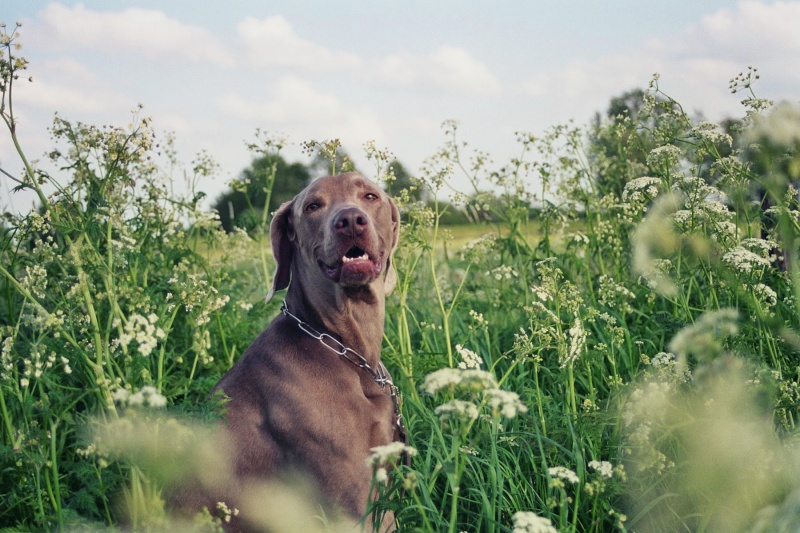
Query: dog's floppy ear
x=390, y=280
x=281, y=233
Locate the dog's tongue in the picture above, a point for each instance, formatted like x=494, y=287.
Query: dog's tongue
x=357, y=270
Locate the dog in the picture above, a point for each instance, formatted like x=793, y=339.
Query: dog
x=310, y=394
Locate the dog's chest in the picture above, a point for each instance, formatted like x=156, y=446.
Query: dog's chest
x=347, y=393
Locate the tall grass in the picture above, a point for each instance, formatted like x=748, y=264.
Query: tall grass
x=618, y=351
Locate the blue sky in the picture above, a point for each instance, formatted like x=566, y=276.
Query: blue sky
x=392, y=72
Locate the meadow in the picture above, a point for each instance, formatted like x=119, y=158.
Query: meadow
x=612, y=345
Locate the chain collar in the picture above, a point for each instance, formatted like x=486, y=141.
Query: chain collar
x=379, y=376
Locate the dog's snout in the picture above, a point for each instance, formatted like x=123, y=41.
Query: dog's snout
x=350, y=221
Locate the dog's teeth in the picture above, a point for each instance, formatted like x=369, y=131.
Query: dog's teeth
x=346, y=259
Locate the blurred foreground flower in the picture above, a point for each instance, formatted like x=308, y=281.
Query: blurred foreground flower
x=706, y=452
x=176, y=454
x=528, y=522
x=703, y=339
x=655, y=239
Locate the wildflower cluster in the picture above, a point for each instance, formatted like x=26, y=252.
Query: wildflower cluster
x=143, y=331
x=613, y=294
x=452, y=379
x=469, y=359
x=147, y=395
x=644, y=189
x=480, y=387
x=528, y=522
x=560, y=475
x=751, y=255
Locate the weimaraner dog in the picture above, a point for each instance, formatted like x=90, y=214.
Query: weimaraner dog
x=311, y=393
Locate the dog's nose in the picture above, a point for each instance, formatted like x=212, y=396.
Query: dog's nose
x=350, y=221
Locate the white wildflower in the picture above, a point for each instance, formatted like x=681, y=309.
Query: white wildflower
x=479, y=248
x=504, y=403
x=389, y=453
x=528, y=522
x=156, y=400
x=756, y=105
x=663, y=360
x=148, y=395
x=765, y=294
x=604, y=468
x=137, y=398
x=697, y=191
x=143, y=331
x=35, y=280
x=564, y=474
x=478, y=318
x=577, y=340
x=225, y=512
x=611, y=293
x=457, y=410
x=458, y=378
x=711, y=132
x=638, y=189
x=683, y=217
x=469, y=450
x=542, y=293
x=469, y=359
x=441, y=379
x=580, y=239
x=503, y=272
x=717, y=209
x=763, y=247
x=121, y=395
x=744, y=260
x=664, y=155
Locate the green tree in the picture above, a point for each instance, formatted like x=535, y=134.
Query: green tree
x=403, y=180
x=242, y=206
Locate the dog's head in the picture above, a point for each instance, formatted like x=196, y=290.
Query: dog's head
x=339, y=231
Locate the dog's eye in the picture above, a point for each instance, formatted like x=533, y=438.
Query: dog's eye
x=370, y=196
x=313, y=206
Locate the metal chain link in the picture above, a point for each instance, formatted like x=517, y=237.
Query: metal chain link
x=381, y=377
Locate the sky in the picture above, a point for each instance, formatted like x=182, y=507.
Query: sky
x=385, y=71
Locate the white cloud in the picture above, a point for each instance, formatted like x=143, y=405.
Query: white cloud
x=133, y=32
x=695, y=65
x=752, y=29
x=762, y=35
x=272, y=41
x=295, y=107
x=69, y=87
x=449, y=69
x=291, y=99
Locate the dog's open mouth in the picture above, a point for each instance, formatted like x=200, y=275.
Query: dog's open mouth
x=355, y=254
x=355, y=267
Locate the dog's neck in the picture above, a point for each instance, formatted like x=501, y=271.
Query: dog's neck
x=354, y=315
